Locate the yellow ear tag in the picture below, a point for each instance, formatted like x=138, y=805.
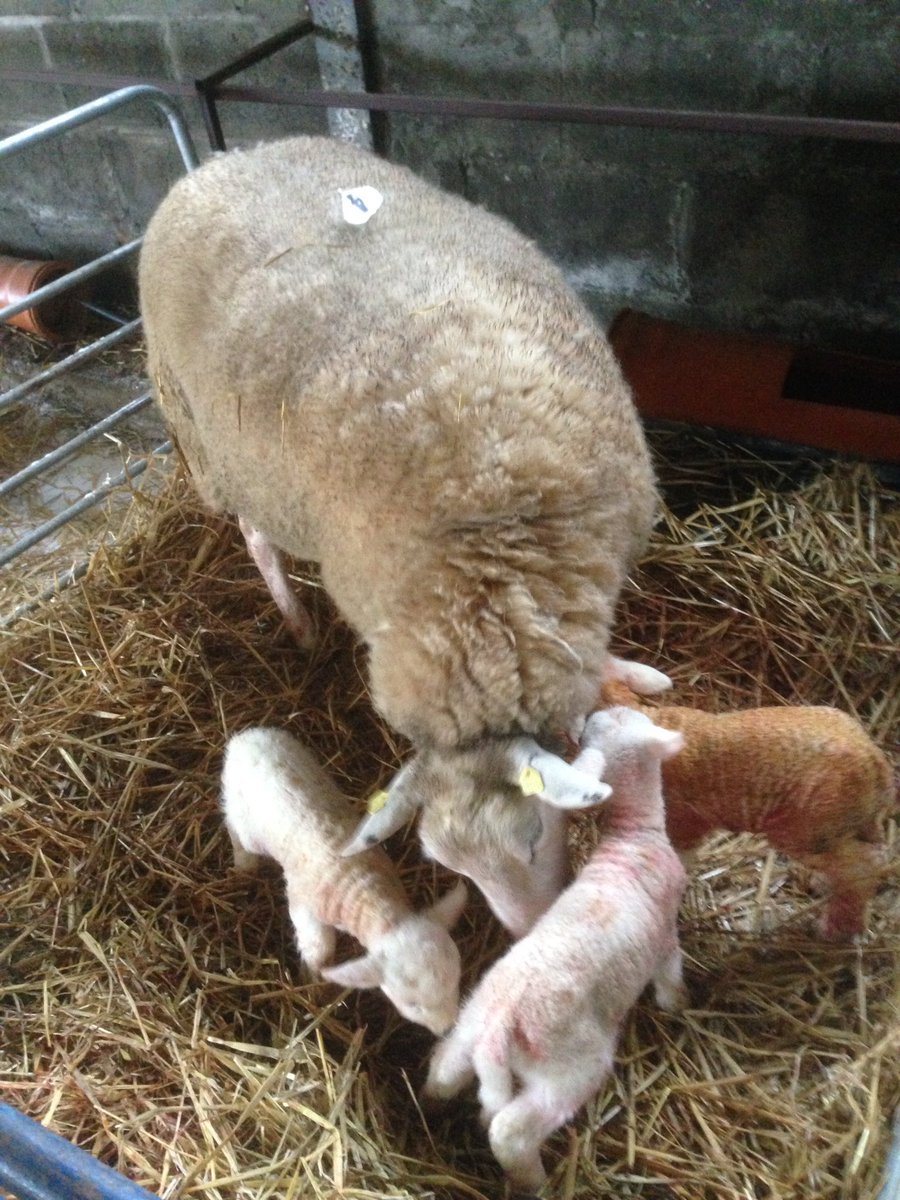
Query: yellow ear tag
x=530, y=781
x=377, y=801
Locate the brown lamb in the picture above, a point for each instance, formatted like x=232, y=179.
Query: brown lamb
x=808, y=778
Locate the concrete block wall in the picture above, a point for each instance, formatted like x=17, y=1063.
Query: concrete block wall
x=797, y=238
x=95, y=188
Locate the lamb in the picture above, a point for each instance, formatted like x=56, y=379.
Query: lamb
x=421, y=404
x=540, y=1029
x=279, y=803
x=809, y=778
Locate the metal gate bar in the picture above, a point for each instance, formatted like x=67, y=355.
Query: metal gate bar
x=99, y=108
x=563, y=113
x=67, y=449
x=70, y=280
x=207, y=87
x=46, y=130
x=38, y=1164
x=7, y=399
x=88, y=500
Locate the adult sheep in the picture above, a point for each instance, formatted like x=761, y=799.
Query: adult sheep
x=420, y=403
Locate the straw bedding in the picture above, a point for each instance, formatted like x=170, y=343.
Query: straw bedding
x=153, y=1009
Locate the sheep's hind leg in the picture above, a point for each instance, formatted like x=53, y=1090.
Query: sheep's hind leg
x=668, y=982
x=495, y=1083
x=517, y=1133
x=270, y=561
x=518, y=1130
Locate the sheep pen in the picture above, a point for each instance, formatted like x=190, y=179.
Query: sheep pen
x=153, y=1009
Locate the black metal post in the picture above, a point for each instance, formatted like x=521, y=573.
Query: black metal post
x=207, y=87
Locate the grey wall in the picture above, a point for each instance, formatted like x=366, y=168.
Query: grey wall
x=96, y=187
x=794, y=237
x=754, y=232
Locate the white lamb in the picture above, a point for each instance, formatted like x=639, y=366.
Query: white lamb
x=541, y=1028
x=279, y=803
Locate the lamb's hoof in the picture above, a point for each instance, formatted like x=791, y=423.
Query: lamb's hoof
x=674, y=1000
x=839, y=932
x=303, y=634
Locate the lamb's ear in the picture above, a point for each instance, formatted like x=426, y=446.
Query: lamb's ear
x=361, y=972
x=448, y=909
x=388, y=811
x=539, y=773
x=668, y=742
x=643, y=680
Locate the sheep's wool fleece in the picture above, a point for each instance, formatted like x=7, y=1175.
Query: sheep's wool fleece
x=421, y=404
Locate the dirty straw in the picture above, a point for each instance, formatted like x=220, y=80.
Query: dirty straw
x=153, y=1008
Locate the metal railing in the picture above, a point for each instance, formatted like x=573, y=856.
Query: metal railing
x=20, y=142
x=215, y=90
x=37, y=1164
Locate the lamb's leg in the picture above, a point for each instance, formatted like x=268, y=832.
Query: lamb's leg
x=450, y=1069
x=244, y=860
x=519, y=1130
x=270, y=562
x=668, y=982
x=516, y=1134
x=315, y=940
x=851, y=869
x=495, y=1083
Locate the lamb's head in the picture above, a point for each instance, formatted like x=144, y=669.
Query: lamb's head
x=492, y=812
x=628, y=738
x=416, y=964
